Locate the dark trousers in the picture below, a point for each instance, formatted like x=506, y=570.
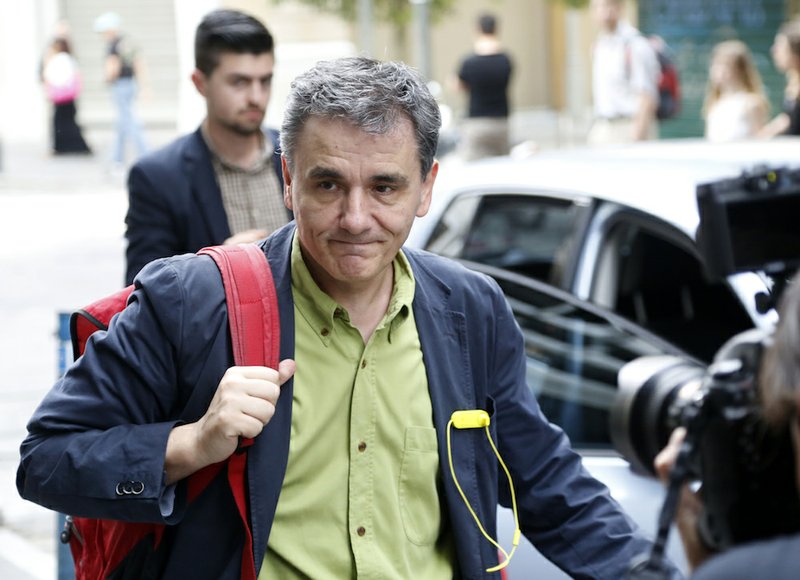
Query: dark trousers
x=67, y=137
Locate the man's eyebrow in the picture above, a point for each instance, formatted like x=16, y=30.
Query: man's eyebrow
x=247, y=77
x=397, y=179
x=324, y=173
x=393, y=178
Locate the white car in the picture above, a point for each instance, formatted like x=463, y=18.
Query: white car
x=611, y=231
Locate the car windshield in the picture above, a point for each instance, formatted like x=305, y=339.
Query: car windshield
x=519, y=233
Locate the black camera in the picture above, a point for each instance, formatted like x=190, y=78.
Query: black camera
x=750, y=223
x=746, y=467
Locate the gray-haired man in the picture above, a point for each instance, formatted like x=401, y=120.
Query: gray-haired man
x=349, y=475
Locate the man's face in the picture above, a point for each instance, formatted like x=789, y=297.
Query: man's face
x=607, y=13
x=354, y=196
x=237, y=91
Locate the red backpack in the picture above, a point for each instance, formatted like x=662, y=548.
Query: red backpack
x=100, y=547
x=669, y=82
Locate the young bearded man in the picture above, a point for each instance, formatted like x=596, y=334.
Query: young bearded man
x=222, y=183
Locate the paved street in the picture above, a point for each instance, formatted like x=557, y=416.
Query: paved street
x=61, y=246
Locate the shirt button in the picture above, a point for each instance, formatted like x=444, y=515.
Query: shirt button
x=361, y=531
x=362, y=446
x=325, y=332
x=363, y=364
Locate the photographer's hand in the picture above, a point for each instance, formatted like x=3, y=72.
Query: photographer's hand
x=689, y=506
x=242, y=405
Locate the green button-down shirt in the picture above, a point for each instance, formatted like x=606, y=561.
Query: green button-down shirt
x=361, y=496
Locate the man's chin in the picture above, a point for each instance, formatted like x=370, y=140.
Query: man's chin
x=246, y=130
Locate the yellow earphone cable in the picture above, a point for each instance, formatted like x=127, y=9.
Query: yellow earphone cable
x=506, y=555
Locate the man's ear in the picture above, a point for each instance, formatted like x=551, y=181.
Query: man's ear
x=427, y=190
x=199, y=81
x=287, y=183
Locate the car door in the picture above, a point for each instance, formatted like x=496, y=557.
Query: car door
x=574, y=351
x=651, y=273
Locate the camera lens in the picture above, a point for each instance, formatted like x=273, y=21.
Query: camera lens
x=652, y=391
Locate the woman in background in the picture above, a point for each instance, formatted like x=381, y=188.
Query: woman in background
x=736, y=106
x=62, y=82
x=786, y=55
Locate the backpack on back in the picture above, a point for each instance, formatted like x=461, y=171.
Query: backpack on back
x=110, y=548
x=669, y=83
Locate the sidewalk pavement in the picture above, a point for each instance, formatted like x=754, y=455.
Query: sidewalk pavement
x=62, y=228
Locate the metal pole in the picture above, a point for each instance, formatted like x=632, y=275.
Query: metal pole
x=422, y=33
x=66, y=567
x=365, y=27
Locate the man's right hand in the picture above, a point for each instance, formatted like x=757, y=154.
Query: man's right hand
x=242, y=405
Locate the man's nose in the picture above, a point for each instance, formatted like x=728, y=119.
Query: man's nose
x=355, y=210
x=258, y=93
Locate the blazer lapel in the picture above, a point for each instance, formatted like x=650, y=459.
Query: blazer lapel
x=442, y=334
x=205, y=189
x=443, y=337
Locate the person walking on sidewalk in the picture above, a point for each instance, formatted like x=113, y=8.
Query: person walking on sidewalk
x=485, y=76
x=223, y=182
x=786, y=56
x=63, y=83
x=625, y=74
x=124, y=70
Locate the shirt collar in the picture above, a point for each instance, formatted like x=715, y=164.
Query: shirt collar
x=267, y=150
x=321, y=311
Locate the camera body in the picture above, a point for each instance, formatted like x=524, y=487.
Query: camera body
x=746, y=467
x=750, y=222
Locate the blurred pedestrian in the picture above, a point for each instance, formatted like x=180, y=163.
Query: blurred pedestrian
x=62, y=82
x=123, y=68
x=485, y=75
x=736, y=105
x=786, y=56
x=222, y=183
x=625, y=74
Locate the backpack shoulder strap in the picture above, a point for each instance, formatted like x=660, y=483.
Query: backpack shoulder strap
x=252, y=303
x=255, y=336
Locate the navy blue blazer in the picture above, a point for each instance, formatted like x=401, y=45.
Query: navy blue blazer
x=175, y=203
x=108, y=420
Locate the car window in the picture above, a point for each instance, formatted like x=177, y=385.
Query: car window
x=574, y=352
x=522, y=233
x=659, y=283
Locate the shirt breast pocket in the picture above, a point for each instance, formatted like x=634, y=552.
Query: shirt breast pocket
x=419, y=493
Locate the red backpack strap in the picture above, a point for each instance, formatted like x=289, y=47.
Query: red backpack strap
x=255, y=336
x=252, y=303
